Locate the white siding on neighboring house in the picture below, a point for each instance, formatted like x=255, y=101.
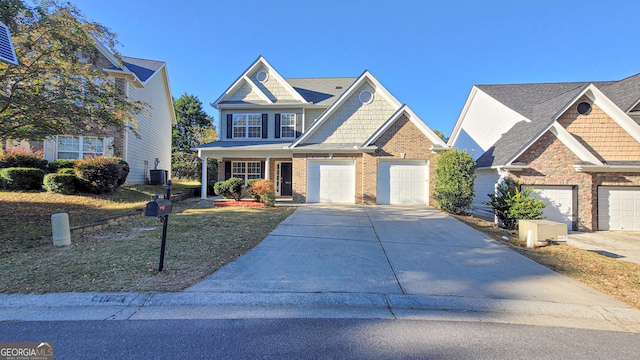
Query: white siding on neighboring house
x=354, y=122
x=484, y=184
x=155, y=130
x=478, y=129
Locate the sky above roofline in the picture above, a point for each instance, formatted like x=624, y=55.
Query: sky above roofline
x=428, y=55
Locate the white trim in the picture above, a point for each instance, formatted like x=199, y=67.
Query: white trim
x=607, y=168
x=266, y=76
x=365, y=92
x=618, y=115
x=438, y=144
x=362, y=79
x=573, y=144
x=463, y=115
x=246, y=126
x=255, y=88
x=288, y=126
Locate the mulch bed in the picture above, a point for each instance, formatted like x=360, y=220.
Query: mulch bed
x=240, y=203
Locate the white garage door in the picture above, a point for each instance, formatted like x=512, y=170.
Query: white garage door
x=332, y=181
x=562, y=203
x=403, y=182
x=619, y=208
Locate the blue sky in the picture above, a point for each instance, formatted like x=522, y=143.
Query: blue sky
x=427, y=54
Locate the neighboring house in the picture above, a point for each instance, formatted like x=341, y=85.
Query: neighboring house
x=340, y=140
x=577, y=144
x=141, y=80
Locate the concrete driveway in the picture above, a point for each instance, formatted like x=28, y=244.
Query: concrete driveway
x=615, y=244
x=414, y=259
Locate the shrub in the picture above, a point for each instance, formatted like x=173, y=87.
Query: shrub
x=264, y=191
x=56, y=165
x=511, y=204
x=231, y=188
x=124, y=171
x=99, y=175
x=22, y=178
x=21, y=158
x=455, y=175
x=60, y=183
x=68, y=171
x=254, y=195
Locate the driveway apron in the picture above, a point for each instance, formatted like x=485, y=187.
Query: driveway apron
x=391, y=250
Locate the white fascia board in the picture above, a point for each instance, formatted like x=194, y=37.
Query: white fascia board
x=236, y=83
x=167, y=93
x=366, y=76
x=257, y=89
x=261, y=106
x=107, y=53
x=282, y=81
x=438, y=144
x=127, y=75
x=607, y=168
x=610, y=108
x=463, y=115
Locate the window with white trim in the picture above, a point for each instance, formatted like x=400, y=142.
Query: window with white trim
x=247, y=126
x=246, y=170
x=72, y=147
x=288, y=125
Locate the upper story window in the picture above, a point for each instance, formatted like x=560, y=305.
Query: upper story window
x=71, y=147
x=247, y=126
x=288, y=125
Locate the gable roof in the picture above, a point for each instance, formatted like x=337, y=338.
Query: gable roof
x=361, y=80
x=143, y=68
x=438, y=144
x=244, y=79
x=542, y=104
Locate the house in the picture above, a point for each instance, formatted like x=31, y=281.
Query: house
x=577, y=144
x=338, y=140
x=141, y=80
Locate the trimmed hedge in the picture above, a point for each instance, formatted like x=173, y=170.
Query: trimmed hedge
x=22, y=178
x=67, y=171
x=99, y=175
x=57, y=165
x=231, y=188
x=60, y=183
x=22, y=159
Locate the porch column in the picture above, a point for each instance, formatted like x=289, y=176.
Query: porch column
x=203, y=186
x=266, y=168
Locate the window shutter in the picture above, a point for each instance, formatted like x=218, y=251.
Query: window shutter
x=265, y=126
x=229, y=126
x=50, y=152
x=298, y=125
x=227, y=170
x=262, y=169
x=277, y=126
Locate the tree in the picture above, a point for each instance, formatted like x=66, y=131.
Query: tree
x=194, y=127
x=455, y=175
x=441, y=135
x=58, y=88
x=192, y=124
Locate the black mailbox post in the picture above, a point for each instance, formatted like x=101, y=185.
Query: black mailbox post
x=161, y=208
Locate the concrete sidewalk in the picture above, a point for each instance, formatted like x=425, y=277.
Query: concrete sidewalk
x=360, y=262
x=615, y=244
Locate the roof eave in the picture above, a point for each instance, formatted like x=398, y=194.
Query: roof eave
x=607, y=168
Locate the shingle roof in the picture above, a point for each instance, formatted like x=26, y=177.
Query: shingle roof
x=321, y=91
x=143, y=68
x=539, y=103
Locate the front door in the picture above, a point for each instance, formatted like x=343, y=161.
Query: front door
x=286, y=188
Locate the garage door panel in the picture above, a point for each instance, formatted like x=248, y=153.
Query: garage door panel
x=403, y=182
x=560, y=203
x=331, y=181
x=619, y=208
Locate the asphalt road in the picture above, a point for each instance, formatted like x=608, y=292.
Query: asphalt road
x=319, y=339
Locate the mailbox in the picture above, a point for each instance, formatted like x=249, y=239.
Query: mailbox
x=158, y=207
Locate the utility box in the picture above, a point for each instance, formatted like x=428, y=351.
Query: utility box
x=542, y=229
x=158, y=207
x=158, y=177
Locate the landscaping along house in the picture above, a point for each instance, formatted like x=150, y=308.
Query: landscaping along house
x=336, y=140
x=577, y=144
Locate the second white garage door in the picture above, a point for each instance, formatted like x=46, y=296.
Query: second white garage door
x=332, y=181
x=403, y=182
x=562, y=203
x=619, y=208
